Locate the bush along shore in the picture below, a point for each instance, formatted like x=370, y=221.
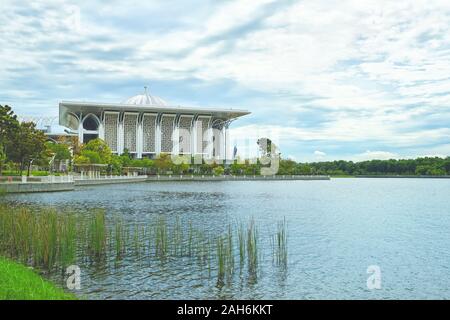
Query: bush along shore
x=51, y=241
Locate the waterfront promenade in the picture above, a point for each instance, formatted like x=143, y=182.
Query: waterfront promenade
x=233, y=178
x=70, y=183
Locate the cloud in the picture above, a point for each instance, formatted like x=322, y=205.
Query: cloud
x=376, y=155
x=319, y=154
x=338, y=78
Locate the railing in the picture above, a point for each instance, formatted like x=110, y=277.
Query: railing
x=56, y=179
x=232, y=177
x=109, y=177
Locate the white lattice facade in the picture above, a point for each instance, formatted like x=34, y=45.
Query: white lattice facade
x=166, y=132
x=130, y=132
x=149, y=133
x=111, y=121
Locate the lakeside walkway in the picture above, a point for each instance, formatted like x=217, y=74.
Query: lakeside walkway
x=69, y=183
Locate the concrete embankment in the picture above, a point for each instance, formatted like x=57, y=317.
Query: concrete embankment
x=66, y=184
x=234, y=178
x=18, y=187
x=110, y=180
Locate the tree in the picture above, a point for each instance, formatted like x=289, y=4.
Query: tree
x=80, y=159
x=3, y=158
x=218, y=171
x=59, y=150
x=163, y=162
x=100, y=147
x=8, y=127
x=93, y=156
x=29, y=146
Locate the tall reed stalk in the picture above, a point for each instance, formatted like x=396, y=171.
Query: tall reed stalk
x=252, y=247
x=280, y=244
x=97, y=235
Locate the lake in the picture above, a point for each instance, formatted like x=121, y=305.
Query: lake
x=336, y=230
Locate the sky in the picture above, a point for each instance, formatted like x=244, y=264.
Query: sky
x=326, y=80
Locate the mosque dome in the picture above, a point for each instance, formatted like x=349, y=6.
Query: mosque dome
x=146, y=99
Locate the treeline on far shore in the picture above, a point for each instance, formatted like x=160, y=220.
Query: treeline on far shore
x=428, y=166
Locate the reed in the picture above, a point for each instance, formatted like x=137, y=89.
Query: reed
x=97, y=235
x=68, y=241
x=48, y=239
x=190, y=239
x=178, y=238
x=230, y=251
x=221, y=261
x=241, y=240
x=252, y=247
x=45, y=239
x=161, y=238
x=280, y=244
x=119, y=239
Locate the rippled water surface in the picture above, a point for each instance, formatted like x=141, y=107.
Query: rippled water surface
x=336, y=229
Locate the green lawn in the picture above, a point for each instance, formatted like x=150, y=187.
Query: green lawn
x=18, y=282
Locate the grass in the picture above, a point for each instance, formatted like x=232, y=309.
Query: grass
x=36, y=173
x=51, y=240
x=18, y=282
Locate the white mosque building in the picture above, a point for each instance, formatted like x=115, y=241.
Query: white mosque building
x=146, y=126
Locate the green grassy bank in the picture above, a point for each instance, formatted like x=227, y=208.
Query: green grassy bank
x=17, y=282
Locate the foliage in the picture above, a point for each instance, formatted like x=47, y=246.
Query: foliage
x=92, y=156
x=419, y=166
x=163, y=163
x=246, y=168
x=8, y=124
x=96, y=151
x=61, y=151
x=8, y=127
x=29, y=146
x=218, y=171
x=97, y=146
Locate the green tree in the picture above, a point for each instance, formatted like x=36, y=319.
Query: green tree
x=100, y=147
x=80, y=159
x=93, y=156
x=163, y=162
x=218, y=171
x=29, y=146
x=61, y=151
x=116, y=165
x=8, y=128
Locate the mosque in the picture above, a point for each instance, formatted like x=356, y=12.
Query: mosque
x=146, y=126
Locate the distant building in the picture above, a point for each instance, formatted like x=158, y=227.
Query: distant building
x=53, y=136
x=146, y=125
